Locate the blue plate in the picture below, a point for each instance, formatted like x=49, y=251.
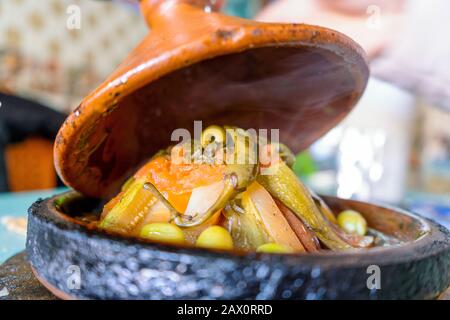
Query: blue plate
x=13, y=214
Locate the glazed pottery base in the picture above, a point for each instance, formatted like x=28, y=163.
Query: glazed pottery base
x=23, y=285
x=112, y=267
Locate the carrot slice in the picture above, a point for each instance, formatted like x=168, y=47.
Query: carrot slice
x=179, y=178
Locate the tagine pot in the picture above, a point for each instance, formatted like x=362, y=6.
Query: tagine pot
x=197, y=65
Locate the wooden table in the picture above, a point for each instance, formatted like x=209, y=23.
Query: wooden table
x=17, y=277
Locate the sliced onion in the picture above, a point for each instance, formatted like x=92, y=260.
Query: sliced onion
x=158, y=213
x=276, y=224
x=305, y=235
x=203, y=198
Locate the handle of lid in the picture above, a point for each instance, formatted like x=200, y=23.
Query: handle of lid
x=207, y=5
x=148, y=7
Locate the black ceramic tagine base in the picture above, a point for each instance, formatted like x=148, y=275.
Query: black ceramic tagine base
x=17, y=276
x=111, y=267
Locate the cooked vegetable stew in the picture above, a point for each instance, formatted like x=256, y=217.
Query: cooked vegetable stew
x=230, y=191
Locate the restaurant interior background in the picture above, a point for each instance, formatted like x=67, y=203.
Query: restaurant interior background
x=393, y=148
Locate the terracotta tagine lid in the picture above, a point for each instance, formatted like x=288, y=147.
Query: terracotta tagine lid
x=196, y=65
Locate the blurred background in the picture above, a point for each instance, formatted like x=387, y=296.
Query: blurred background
x=393, y=148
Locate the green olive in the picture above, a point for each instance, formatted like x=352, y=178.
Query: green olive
x=352, y=222
x=215, y=237
x=213, y=134
x=273, y=248
x=163, y=232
